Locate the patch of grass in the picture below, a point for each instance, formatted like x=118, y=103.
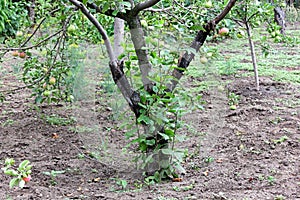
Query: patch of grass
x=52, y=174
x=8, y=122
x=59, y=121
x=281, y=139
x=82, y=129
x=282, y=63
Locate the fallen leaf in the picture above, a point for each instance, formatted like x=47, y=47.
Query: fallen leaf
x=96, y=179
x=54, y=135
x=205, y=173
x=177, y=180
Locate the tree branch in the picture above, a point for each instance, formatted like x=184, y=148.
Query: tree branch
x=116, y=67
x=107, y=13
x=142, y=6
x=225, y=11
x=37, y=28
x=253, y=15
x=200, y=38
x=33, y=46
x=96, y=23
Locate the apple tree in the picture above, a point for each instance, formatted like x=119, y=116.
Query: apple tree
x=155, y=28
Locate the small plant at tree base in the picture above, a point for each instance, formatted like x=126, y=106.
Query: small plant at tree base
x=271, y=180
x=21, y=175
x=233, y=100
x=53, y=175
x=123, y=183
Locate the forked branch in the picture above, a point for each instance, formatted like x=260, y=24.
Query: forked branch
x=199, y=40
x=116, y=67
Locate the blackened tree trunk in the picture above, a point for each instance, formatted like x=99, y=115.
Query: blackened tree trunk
x=279, y=17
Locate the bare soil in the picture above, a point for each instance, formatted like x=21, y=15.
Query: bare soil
x=238, y=156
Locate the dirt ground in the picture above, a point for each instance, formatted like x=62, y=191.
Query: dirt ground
x=241, y=156
x=248, y=153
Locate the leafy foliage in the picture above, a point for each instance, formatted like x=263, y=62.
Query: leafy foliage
x=13, y=15
x=20, y=175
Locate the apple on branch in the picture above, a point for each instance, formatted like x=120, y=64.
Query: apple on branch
x=22, y=54
x=223, y=31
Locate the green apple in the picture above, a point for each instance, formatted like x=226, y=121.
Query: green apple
x=144, y=23
x=241, y=34
x=208, y=4
x=19, y=33
x=45, y=70
x=73, y=45
x=278, y=38
x=71, y=28
x=273, y=34
x=47, y=93
x=203, y=60
x=52, y=81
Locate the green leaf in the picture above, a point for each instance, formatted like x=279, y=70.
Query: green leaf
x=28, y=167
x=47, y=173
x=105, y=7
x=143, y=146
x=144, y=118
x=11, y=172
x=126, y=4
x=23, y=164
x=169, y=132
x=155, y=89
x=157, y=177
x=165, y=136
x=179, y=156
x=149, y=159
x=150, y=142
x=130, y=133
x=167, y=151
x=13, y=182
x=115, y=12
x=9, y=161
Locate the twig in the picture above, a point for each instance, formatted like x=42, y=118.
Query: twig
x=33, y=46
x=37, y=28
x=188, y=9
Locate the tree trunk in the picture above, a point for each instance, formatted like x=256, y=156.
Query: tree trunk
x=253, y=55
x=138, y=39
x=118, y=36
x=279, y=17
